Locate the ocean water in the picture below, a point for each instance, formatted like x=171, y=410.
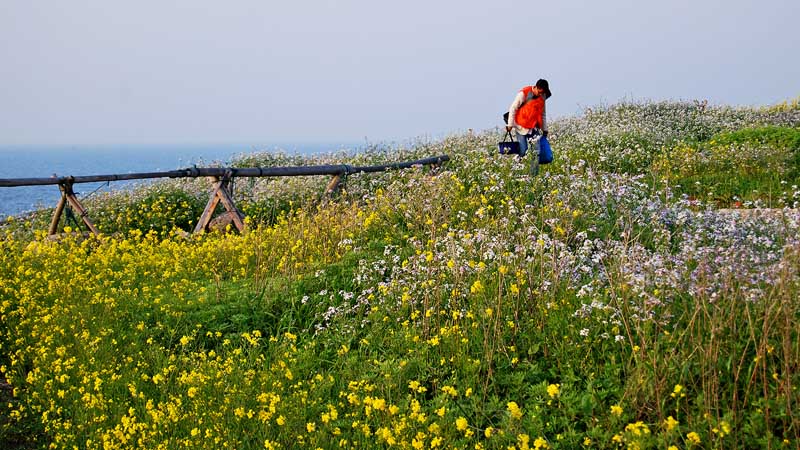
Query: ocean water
x=43, y=162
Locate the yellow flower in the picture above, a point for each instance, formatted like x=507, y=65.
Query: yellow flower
x=616, y=410
x=311, y=426
x=514, y=409
x=450, y=390
x=476, y=287
x=552, y=390
x=540, y=442
x=693, y=437
x=670, y=423
x=461, y=424
x=638, y=428
x=726, y=427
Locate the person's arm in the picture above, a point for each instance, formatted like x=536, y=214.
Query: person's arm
x=512, y=110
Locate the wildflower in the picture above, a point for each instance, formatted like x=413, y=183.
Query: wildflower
x=540, y=442
x=616, y=410
x=726, y=427
x=677, y=392
x=311, y=426
x=553, y=390
x=638, y=428
x=514, y=410
x=477, y=287
x=693, y=437
x=415, y=386
x=461, y=423
x=670, y=423
x=450, y=390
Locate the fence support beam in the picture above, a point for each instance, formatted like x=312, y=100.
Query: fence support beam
x=220, y=194
x=68, y=197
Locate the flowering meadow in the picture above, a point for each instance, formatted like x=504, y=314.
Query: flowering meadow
x=643, y=291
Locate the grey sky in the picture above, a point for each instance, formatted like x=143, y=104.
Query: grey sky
x=260, y=72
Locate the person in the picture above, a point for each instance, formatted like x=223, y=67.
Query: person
x=527, y=117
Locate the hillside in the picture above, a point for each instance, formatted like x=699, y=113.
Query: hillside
x=641, y=291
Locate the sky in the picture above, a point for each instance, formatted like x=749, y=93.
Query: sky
x=262, y=72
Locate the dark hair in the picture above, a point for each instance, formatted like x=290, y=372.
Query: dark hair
x=544, y=85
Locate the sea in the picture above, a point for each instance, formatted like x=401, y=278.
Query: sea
x=48, y=161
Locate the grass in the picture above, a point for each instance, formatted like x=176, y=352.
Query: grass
x=606, y=303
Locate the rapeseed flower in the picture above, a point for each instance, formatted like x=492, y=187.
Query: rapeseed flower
x=514, y=410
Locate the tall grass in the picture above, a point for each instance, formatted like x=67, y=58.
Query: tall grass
x=636, y=293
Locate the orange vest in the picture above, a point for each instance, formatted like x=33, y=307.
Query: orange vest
x=529, y=115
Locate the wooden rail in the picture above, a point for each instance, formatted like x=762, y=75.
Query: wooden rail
x=220, y=193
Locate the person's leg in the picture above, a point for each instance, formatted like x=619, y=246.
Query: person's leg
x=523, y=144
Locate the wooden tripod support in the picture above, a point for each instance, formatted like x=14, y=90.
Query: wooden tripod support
x=220, y=193
x=68, y=196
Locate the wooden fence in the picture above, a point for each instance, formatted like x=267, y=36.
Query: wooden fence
x=220, y=192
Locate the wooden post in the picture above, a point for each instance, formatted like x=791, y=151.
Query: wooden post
x=220, y=194
x=68, y=196
x=57, y=215
x=333, y=184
